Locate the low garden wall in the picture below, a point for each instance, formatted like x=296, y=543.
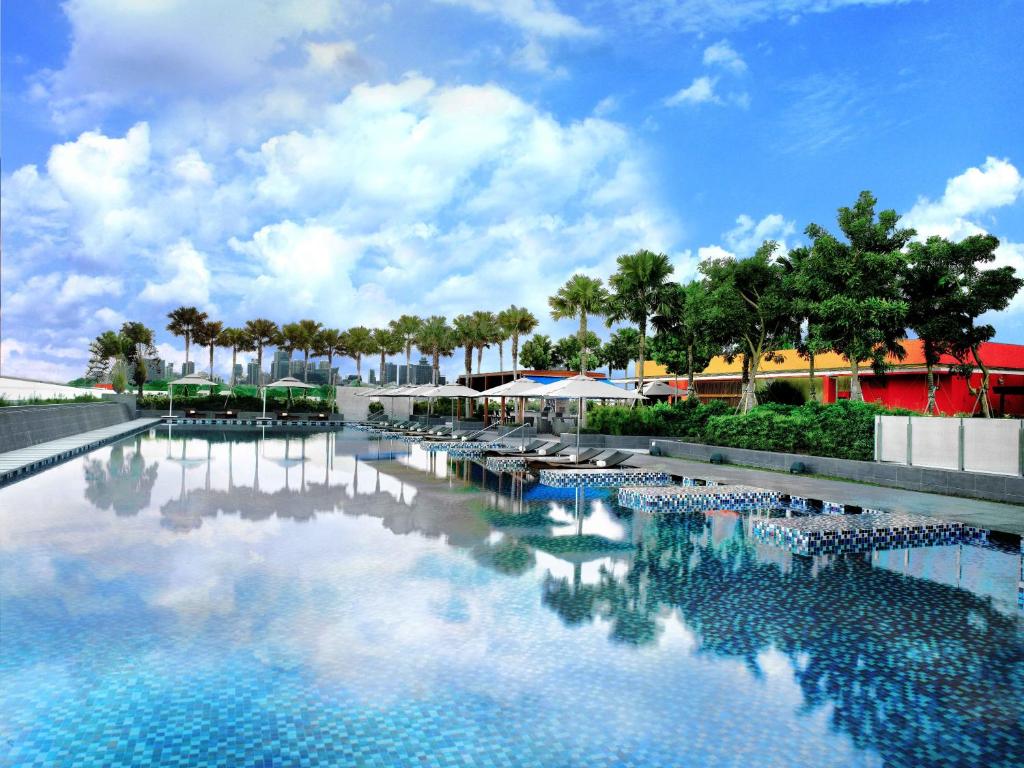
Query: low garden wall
x=975, y=485
x=24, y=425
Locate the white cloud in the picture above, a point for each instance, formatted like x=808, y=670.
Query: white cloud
x=189, y=281
x=700, y=91
x=704, y=15
x=81, y=287
x=191, y=168
x=723, y=55
x=706, y=252
x=533, y=57
x=966, y=207
x=978, y=190
x=746, y=237
x=536, y=17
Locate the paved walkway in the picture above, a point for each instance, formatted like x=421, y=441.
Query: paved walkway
x=16, y=464
x=1007, y=518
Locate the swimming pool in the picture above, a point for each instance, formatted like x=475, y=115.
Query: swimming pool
x=225, y=599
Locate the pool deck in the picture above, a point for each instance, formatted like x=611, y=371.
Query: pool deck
x=15, y=465
x=1006, y=518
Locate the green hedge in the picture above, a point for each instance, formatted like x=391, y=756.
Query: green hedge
x=235, y=403
x=842, y=430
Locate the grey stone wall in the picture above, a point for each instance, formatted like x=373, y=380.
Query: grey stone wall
x=24, y=425
x=974, y=485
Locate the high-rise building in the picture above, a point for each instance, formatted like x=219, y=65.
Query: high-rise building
x=252, y=374
x=422, y=373
x=281, y=366
x=236, y=375
x=156, y=369
x=187, y=369
x=371, y=377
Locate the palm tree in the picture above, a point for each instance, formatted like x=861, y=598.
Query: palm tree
x=436, y=338
x=237, y=340
x=579, y=297
x=516, y=321
x=261, y=333
x=359, y=342
x=487, y=333
x=205, y=335
x=184, y=321
x=465, y=336
x=385, y=342
x=302, y=335
x=326, y=344
x=407, y=326
x=640, y=287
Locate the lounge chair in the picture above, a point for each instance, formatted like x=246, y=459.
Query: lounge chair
x=319, y=416
x=513, y=450
x=192, y=413
x=226, y=415
x=570, y=457
x=550, y=449
x=285, y=416
x=610, y=459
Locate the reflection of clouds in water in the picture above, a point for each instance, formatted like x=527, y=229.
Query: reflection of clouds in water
x=382, y=599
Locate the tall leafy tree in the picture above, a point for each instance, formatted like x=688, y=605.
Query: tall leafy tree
x=406, y=327
x=807, y=288
x=537, y=353
x=205, y=335
x=386, y=343
x=237, y=340
x=517, y=322
x=749, y=299
x=327, y=344
x=639, y=288
x=301, y=336
x=861, y=313
x=105, y=351
x=126, y=349
x=622, y=348
x=686, y=321
x=973, y=291
x=933, y=302
x=580, y=297
x=437, y=339
x=183, y=322
x=262, y=333
x=359, y=342
x=568, y=352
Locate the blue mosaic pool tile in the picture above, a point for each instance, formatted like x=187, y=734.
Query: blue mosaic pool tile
x=682, y=498
x=506, y=464
x=602, y=478
x=830, y=534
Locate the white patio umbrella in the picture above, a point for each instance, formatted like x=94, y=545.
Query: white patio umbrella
x=453, y=391
x=582, y=388
x=659, y=388
x=289, y=383
x=514, y=389
x=193, y=379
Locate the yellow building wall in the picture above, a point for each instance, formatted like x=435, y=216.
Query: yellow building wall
x=791, y=362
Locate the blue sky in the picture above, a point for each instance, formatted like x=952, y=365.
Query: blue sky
x=351, y=161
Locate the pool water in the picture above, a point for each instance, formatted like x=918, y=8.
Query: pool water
x=230, y=599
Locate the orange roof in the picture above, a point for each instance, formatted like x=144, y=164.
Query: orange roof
x=994, y=354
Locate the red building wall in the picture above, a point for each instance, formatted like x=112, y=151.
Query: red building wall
x=910, y=390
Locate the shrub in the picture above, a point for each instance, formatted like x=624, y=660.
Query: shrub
x=781, y=391
x=843, y=430
x=376, y=407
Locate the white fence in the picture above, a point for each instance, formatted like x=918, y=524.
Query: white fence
x=995, y=446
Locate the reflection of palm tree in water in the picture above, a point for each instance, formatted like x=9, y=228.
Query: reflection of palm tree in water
x=124, y=483
x=920, y=672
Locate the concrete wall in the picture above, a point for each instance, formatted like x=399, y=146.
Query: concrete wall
x=973, y=485
x=25, y=425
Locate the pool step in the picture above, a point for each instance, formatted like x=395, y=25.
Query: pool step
x=602, y=478
x=833, y=534
x=695, y=498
